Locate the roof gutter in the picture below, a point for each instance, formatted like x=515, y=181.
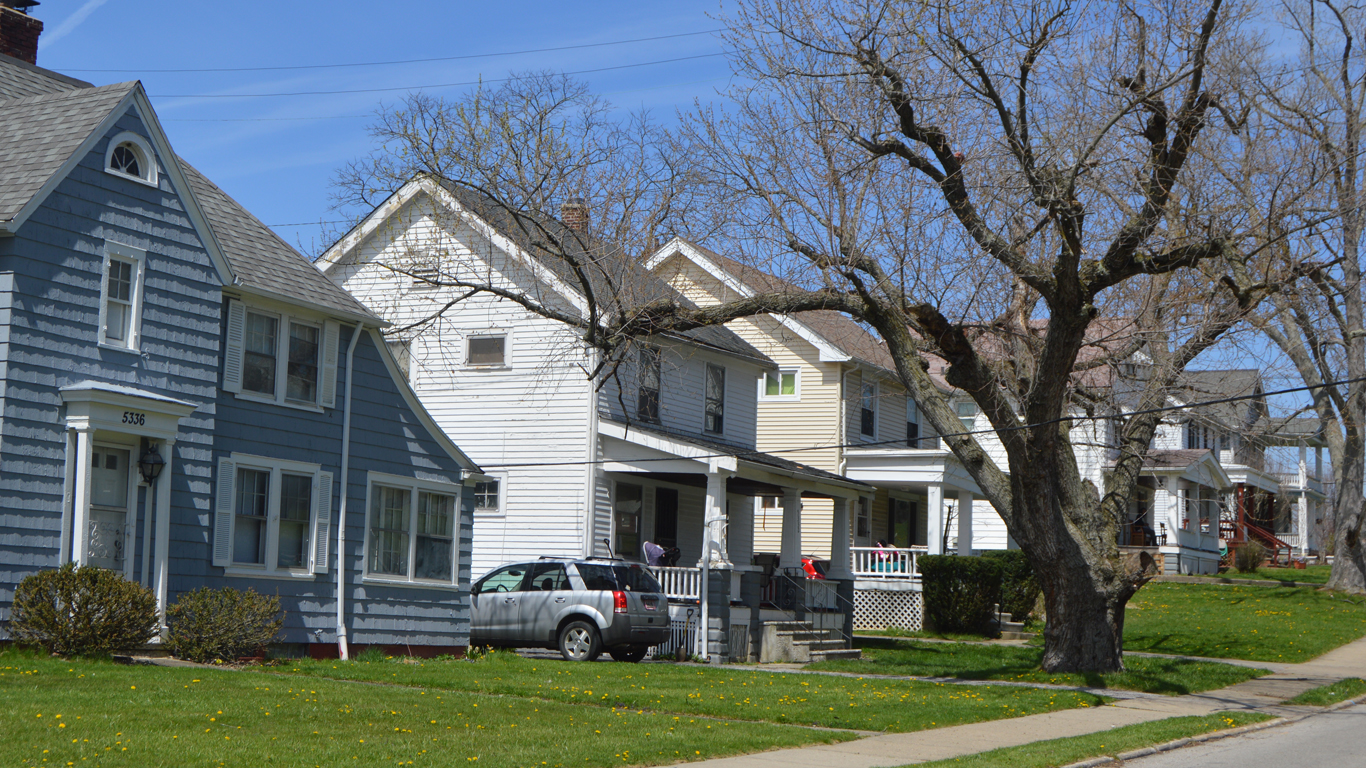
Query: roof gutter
x=354, y=317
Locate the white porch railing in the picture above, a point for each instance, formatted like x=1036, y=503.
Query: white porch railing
x=879, y=563
x=678, y=583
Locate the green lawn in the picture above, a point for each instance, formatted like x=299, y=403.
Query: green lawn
x=1314, y=574
x=1005, y=662
x=1325, y=695
x=91, y=713
x=738, y=692
x=1241, y=622
x=1056, y=752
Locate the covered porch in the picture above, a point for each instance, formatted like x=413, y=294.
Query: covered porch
x=697, y=495
x=1176, y=511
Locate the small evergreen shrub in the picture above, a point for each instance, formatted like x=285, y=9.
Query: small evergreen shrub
x=222, y=624
x=1248, y=556
x=82, y=611
x=1019, y=589
x=960, y=592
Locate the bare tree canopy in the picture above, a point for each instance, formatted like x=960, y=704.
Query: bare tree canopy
x=1024, y=195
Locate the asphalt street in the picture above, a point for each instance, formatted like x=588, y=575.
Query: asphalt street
x=1336, y=739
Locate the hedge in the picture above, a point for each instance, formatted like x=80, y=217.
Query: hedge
x=1019, y=589
x=960, y=592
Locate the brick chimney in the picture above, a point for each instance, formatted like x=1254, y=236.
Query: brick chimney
x=19, y=31
x=574, y=214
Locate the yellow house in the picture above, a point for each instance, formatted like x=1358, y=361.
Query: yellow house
x=836, y=403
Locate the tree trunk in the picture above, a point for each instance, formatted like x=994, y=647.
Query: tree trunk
x=1349, y=551
x=1085, y=630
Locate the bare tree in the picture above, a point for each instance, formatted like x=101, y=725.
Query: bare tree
x=978, y=183
x=1320, y=322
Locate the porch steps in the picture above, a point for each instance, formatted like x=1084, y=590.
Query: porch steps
x=1010, y=630
x=801, y=642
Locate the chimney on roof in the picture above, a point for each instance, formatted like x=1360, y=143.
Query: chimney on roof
x=574, y=214
x=19, y=31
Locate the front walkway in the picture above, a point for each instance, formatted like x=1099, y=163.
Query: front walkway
x=1264, y=694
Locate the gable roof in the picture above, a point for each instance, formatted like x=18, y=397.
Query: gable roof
x=41, y=133
x=24, y=79
x=262, y=262
x=608, y=272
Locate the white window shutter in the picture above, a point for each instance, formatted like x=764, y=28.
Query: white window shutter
x=328, y=389
x=104, y=299
x=322, y=515
x=232, y=362
x=222, y=513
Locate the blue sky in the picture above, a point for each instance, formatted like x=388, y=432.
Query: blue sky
x=280, y=167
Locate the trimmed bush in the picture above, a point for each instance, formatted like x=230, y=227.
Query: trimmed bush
x=222, y=624
x=960, y=592
x=1019, y=589
x=82, y=611
x=1248, y=556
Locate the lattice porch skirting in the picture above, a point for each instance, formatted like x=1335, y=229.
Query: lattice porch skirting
x=878, y=609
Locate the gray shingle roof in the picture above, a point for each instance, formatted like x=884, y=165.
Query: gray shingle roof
x=260, y=259
x=20, y=78
x=42, y=132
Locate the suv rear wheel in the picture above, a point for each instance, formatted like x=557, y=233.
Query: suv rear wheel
x=631, y=653
x=579, y=641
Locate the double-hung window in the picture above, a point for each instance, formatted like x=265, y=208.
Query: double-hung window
x=868, y=409
x=714, y=419
x=647, y=384
x=279, y=357
x=412, y=529
x=967, y=414
x=271, y=516
x=121, y=296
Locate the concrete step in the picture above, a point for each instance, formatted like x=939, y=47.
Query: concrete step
x=836, y=653
x=1012, y=635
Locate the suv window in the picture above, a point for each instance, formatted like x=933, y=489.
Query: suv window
x=627, y=578
x=548, y=577
x=507, y=579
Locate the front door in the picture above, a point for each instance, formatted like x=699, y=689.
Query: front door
x=110, y=476
x=901, y=523
x=627, y=509
x=666, y=517
x=495, y=605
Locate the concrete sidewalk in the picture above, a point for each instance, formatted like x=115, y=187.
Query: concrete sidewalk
x=1265, y=694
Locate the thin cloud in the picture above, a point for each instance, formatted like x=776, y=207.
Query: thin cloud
x=70, y=23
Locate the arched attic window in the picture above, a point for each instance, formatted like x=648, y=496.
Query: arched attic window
x=130, y=156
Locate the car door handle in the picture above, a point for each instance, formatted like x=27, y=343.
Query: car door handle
x=510, y=600
x=559, y=599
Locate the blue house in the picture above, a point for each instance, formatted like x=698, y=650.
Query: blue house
x=187, y=400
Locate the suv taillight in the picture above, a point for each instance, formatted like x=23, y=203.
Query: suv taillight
x=618, y=602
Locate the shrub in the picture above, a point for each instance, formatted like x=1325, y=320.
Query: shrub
x=1019, y=589
x=960, y=592
x=222, y=624
x=1248, y=556
x=82, y=611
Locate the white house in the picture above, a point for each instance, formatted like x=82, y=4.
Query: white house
x=589, y=458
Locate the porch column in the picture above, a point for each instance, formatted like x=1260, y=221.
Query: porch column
x=1302, y=503
x=714, y=515
x=163, y=525
x=791, y=554
x=934, y=517
x=839, y=541
x=80, y=518
x=964, y=523
x=68, y=497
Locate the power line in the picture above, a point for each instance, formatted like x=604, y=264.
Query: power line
x=421, y=87
x=410, y=61
x=740, y=454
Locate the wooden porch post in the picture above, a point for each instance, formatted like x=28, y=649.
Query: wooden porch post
x=791, y=554
x=934, y=515
x=964, y=522
x=839, y=541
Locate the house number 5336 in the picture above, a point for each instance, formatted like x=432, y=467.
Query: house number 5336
x=139, y=419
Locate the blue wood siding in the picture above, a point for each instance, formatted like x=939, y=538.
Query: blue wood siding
x=56, y=261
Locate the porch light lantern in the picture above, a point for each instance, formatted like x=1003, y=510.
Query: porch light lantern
x=151, y=464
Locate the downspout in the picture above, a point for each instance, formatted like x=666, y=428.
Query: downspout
x=345, y=491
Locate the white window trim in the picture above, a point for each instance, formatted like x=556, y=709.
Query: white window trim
x=414, y=486
x=328, y=333
x=877, y=415
x=271, y=568
x=502, y=510
x=138, y=258
x=796, y=386
x=725, y=386
x=506, y=333
x=149, y=158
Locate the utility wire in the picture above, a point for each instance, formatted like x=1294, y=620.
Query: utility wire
x=740, y=454
x=433, y=85
x=411, y=61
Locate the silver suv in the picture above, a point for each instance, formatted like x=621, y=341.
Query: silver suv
x=581, y=607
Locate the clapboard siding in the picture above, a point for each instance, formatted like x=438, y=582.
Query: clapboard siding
x=55, y=262
x=534, y=410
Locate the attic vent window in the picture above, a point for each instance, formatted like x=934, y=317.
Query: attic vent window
x=131, y=157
